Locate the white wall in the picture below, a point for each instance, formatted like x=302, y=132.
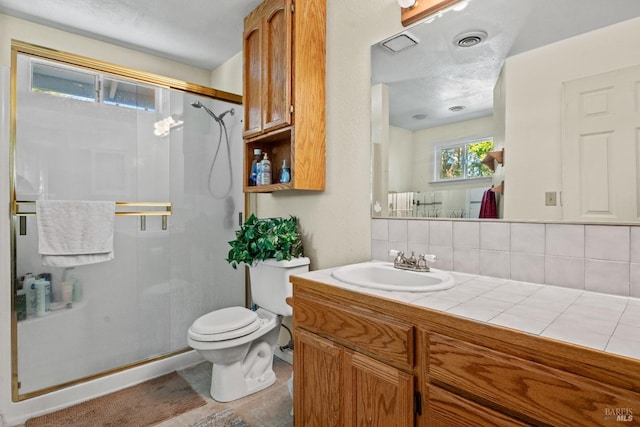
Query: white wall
x=533, y=134
x=336, y=223
x=401, y=161
x=228, y=76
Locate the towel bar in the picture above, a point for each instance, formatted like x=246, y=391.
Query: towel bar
x=18, y=204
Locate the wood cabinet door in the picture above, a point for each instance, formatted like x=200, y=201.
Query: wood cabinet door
x=277, y=65
x=267, y=50
x=377, y=395
x=252, y=79
x=318, y=379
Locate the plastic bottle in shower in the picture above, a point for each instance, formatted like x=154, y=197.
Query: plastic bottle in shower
x=265, y=171
x=29, y=285
x=257, y=158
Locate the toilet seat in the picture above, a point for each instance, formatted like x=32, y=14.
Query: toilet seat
x=225, y=324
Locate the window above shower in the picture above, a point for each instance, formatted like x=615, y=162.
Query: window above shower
x=83, y=85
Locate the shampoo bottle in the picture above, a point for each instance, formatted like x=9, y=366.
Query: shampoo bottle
x=257, y=158
x=265, y=170
x=29, y=285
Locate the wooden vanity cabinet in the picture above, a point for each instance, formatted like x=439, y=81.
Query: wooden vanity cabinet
x=284, y=91
x=366, y=360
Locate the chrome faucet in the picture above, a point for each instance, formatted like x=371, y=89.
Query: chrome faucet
x=412, y=263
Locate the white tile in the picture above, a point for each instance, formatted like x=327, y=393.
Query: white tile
x=564, y=271
x=480, y=308
x=417, y=248
x=494, y=236
x=380, y=250
x=441, y=233
x=634, y=286
x=635, y=244
x=543, y=313
x=502, y=293
x=532, y=326
x=380, y=229
x=418, y=231
x=398, y=230
x=577, y=334
x=564, y=240
x=466, y=260
x=597, y=300
x=609, y=277
x=607, y=242
x=445, y=257
x=631, y=315
x=435, y=302
x=466, y=234
x=494, y=263
x=624, y=347
x=527, y=267
x=601, y=321
x=627, y=332
x=527, y=238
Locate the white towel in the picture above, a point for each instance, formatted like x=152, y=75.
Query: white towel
x=74, y=233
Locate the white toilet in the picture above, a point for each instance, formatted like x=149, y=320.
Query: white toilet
x=240, y=342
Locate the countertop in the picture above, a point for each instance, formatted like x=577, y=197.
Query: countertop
x=599, y=321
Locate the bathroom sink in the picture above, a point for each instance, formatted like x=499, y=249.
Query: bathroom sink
x=382, y=275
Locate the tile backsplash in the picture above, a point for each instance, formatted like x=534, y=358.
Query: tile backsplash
x=599, y=258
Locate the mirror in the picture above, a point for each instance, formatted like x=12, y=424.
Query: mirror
x=492, y=69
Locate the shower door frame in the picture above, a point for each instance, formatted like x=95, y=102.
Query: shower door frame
x=19, y=47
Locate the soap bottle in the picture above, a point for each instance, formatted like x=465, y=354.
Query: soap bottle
x=257, y=158
x=285, y=172
x=265, y=170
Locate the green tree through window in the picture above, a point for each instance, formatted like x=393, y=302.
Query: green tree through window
x=463, y=160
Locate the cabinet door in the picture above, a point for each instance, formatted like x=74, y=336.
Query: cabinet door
x=318, y=378
x=277, y=75
x=267, y=51
x=252, y=51
x=377, y=394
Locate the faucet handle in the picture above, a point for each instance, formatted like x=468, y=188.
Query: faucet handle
x=399, y=255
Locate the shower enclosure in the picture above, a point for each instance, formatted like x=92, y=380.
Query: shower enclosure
x=87, y=134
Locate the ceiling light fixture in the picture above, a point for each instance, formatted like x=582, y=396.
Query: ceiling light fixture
x=406, y=4
x=456, y=108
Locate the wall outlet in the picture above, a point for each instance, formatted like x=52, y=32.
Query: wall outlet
x=550, y=198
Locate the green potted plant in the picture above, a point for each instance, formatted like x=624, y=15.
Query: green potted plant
x=268, y=238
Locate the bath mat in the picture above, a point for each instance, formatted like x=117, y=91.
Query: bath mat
x=224, y=418
x=144, y=404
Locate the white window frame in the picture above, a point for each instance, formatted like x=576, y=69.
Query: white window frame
x=437, y=156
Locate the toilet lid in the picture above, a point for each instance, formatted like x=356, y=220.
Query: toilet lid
x=224, y=324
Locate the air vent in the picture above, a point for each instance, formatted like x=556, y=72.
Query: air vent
x=470, y=39
x=399, y=42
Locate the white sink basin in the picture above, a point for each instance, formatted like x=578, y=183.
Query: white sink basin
x=382, y=275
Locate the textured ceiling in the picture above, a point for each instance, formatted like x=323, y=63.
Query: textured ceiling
x=202, y=33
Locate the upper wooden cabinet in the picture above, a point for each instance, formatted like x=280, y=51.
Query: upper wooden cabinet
x=284, y=91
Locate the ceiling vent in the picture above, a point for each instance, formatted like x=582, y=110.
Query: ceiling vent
x=469, y=39
x=399, y=42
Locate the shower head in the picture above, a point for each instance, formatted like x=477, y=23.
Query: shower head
x=198, y=104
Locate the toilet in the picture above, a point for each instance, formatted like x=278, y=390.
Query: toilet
x=240, y=343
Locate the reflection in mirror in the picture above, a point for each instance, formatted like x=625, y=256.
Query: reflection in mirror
x=495, y=70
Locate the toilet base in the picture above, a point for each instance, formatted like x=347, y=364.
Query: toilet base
x=224, y=392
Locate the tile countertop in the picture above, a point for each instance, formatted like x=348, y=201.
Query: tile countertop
x=599, y=321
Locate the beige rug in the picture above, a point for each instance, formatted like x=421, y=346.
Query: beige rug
x=144, y=404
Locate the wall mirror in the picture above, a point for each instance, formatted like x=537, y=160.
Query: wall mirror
x=506, y=72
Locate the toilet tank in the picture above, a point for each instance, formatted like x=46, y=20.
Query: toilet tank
x=270, y=284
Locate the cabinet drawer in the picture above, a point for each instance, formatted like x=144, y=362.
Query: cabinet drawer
x=445, y=409
x=387, y=339
x=539, y=393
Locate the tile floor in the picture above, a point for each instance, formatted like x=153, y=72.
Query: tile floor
x=267, y=408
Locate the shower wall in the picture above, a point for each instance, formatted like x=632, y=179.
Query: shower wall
x=139, y=305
